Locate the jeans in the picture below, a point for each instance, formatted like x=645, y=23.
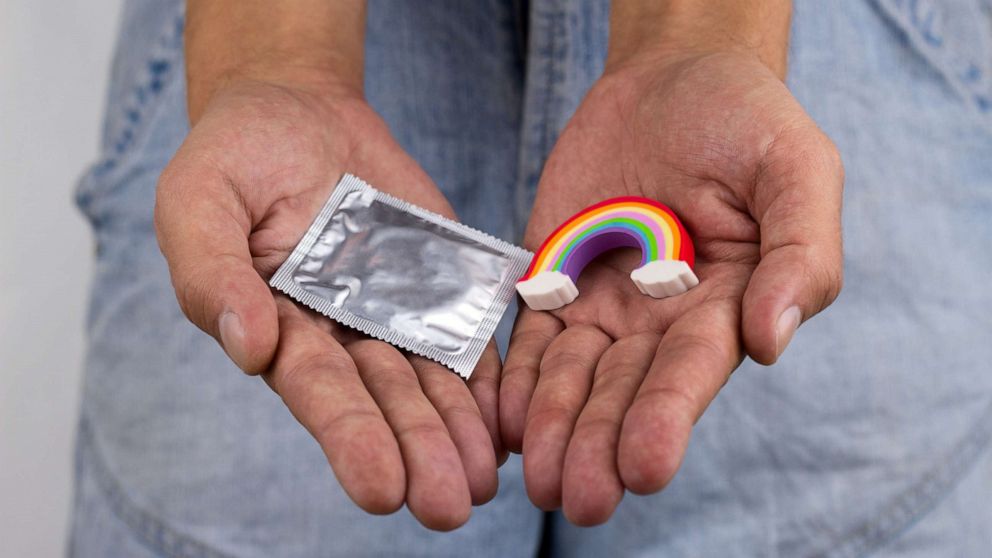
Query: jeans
x=871, y=436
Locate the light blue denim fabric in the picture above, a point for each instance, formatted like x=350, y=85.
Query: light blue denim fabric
x=180, y=454
x=870, y=437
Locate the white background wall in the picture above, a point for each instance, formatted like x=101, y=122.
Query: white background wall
x=54, y=62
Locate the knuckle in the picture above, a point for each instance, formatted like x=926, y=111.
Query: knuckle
x=540, y=418
x=200, y=289
x=586, y=428
x=344, y=423
x=829, y=153
x=578, y=347
x=834, y=284
x=528, y=346
x=587, y=334
x=519, y=372
x=531, y=337
x=428, y=429
x=809, y=150
x=562, y=360
x=701, y=346
x=614, y=377
x=824, y=158
x=291, y=376
x=192, y=292
x=387, y=376
x=294, y=382
x=459, y=412
x=827, y=279
x=483, y=383
x=163, y=195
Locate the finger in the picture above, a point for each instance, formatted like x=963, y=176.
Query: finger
x=202, y=228
x=533, y=332
x=693, y=360
x=319, y=383
x=484, y=386
x=798, y=204
x=464, y=421
x=591, y=485
x=437, y=490
x=566, y=375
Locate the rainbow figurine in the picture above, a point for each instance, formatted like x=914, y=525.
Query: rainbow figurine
x=667, y=256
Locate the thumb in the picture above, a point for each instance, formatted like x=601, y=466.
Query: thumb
x=797, y=203
x=202, y=227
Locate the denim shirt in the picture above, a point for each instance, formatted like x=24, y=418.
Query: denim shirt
x=874, y=414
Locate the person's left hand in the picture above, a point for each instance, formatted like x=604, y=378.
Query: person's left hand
x=602, y=394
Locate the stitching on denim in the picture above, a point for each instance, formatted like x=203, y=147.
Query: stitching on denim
x=520, y=208
x=548, y=48
x=557, y=50
x=115, y=182
x=160, y=67
x=913, y=504
x=149, y=529
x=920, y=21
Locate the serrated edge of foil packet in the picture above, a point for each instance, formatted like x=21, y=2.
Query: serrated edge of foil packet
x=464, y=362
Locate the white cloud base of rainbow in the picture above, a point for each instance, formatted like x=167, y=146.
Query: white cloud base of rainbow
x=550, y=290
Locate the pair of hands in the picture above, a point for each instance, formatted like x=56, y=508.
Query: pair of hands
x=601, y=395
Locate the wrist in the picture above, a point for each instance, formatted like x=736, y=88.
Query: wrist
x=660, y=31
x=317, y=80
x=308, y=45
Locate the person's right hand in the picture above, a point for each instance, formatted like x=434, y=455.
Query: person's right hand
x=231, y=206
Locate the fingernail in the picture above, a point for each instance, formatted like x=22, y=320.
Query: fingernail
x=232, y=336
x=786, y=327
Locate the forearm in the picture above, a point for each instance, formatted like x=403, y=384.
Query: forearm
x=311, y=43
x=759, y=27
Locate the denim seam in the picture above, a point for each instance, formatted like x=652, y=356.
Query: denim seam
x=913, y=504
x=91, y=208
x=160, y=74
x=933, y=52
x=160, y=67
x=152, y=531
x=522, y=178
x=539, y=130
x=555, y=70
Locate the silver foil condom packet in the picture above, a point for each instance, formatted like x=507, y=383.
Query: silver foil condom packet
x=402, y=274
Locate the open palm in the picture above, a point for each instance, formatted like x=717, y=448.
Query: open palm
x=601, y=395
x=239, y=194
